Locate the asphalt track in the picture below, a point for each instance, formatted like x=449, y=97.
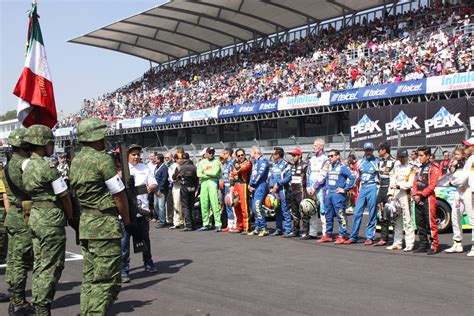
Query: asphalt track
x=206, y=273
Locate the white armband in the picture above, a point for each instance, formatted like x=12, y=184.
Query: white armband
x=59, y=186
x=24, y=164
x=115, y=185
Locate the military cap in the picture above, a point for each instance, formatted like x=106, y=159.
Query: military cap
x=91, y=130
x=38, y=135
x=16, y=137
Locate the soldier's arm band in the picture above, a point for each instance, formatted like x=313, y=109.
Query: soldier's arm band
x=59, y=186
x=115, y=185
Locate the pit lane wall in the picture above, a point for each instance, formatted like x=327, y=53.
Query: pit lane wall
x=459, y=81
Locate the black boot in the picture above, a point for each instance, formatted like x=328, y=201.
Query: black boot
x=23, y=309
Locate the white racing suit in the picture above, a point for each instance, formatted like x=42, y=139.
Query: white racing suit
x=318, y=166
x=401, y=181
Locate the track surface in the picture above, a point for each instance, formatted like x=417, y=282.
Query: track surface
x=205, y=273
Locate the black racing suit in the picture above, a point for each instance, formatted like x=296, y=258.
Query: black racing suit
x=187, y=176
x=296, y=194
x=385, y=166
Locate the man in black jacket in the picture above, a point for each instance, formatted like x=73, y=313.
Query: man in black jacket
x=187, y=177
x=161, y=194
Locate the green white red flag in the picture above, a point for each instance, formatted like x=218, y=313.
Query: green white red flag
x=34, y=88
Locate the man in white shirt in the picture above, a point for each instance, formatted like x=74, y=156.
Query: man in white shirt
x=468, y=199
x=143, y=177
x=152, y=166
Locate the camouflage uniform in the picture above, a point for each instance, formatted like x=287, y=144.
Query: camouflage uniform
x=3, y=213
x=99, y=228
x=47, y=220
x=20, y=249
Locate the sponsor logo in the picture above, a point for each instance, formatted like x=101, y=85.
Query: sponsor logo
x=375, y=93
x=268, y=106
x=459, y=78
x=344, y=96
x=174, y=118
x=245, y=109
x=365, y=125
x=161, y=119
x=443, y=119
x=312, y=98
x=401, y=122
x=147, y=121
x=228, y=111
x=409, y=88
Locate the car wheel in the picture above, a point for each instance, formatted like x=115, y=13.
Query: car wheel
x=443, y=216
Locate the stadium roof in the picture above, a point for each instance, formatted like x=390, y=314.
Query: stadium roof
x=177, y=29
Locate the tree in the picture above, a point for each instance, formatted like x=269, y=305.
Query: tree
x=9, y=115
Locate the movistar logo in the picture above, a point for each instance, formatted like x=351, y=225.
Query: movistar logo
x=443, y=118
x=401, y=122
x=365, y=125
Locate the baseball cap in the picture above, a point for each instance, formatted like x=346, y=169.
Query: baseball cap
x=368, y=146
x=468, y=142
x=296, y=151
x=402, y=153
x=134, y=146
x=211, y=150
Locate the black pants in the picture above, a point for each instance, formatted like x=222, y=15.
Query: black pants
x=295, y=198
x=144, y=229
x=187, y=203
x=382, y=198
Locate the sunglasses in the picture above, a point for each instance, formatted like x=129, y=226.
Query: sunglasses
x=330, y=156
x=241, y=155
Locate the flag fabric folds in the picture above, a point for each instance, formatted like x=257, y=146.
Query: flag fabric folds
x=34, y=87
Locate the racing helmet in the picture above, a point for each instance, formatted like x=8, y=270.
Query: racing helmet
x=308, y=207
x=391, y=211
x=272, y=201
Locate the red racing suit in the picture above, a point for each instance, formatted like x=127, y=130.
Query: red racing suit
x=424, y=185
x=239, y=179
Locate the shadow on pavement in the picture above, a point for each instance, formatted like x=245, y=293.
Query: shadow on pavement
x=166, y=267
x=141, y=285
x=127, y=307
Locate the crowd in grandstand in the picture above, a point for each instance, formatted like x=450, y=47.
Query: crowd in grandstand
x=407, y=46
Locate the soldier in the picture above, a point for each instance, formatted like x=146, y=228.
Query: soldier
x=101, y=194
x=19, y=237
x=50, y=209
x=187, y=176
x=3, y=235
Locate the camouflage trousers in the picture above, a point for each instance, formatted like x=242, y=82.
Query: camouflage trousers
x=20, y=255
x=101, y=281
x=3, y=236
x=49, y=246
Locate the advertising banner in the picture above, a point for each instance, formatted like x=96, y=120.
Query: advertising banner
x=416, y=124
x=412, y=87
x=130, y=123
x=161, y=120
x=268, y=106
x=199, y=115
x=66, y=131
x=174, y=118
x=148, y=121
x=470, y=111
x=226, y=111
x=246, y=109
x=303, y=101
x=459, y=81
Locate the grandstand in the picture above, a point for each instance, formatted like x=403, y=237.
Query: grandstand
x=280, y=73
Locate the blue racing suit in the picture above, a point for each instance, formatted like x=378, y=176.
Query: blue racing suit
x=369, y=179
x=258, y=181
x=318, y=166
x=280, y=175
x=338, y=176
x=227, y=168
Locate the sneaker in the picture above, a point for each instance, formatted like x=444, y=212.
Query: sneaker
x=235, y=231
x=305, y=237
x=125, y=278
x=263, y=232
x=150, y=268
x=325, y=238
x=291, y=235
x=340, y=240
x=408, y=249
x=432, y=251
x=455, y=248
x=394, y=247
x=277, y=233
x=187, y=229
x=226, y=230
x=218, y=229
x=175, y=227
x=471, y=252
x=203, y=228
x=349, y=242
x=4, y=297
x=380, y=243
x=253, y=233
x=368, y=242
x=420, y=250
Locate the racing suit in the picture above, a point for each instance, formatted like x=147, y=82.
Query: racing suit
x=227, y=167
x=280, y=176
x=258, y=181
x=461, y=181
x=187, y=176
x=338, y=176
x=318, y=166
x=425, y=211
x=401, y=182
x=239, y=179
x=208, y=171
x=298, y=173
x=385, y=166
x=368, y=176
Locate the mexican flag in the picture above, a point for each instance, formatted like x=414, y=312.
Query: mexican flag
x=34, y=88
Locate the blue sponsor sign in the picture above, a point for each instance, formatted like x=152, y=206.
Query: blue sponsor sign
x=148, y=121
x=160, y=120
x=412, y=87
x=174, y=118
x=226, y=111
x=246, y=109
x=344, y=96
x=374, y=92
x=267, y=106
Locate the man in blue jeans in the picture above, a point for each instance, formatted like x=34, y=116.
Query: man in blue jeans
x=369, y=181
x=162, y=189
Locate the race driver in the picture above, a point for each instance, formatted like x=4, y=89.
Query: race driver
x=239, y=179
x=258, y=186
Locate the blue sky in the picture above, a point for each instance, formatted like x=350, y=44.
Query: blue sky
x=78, y=71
